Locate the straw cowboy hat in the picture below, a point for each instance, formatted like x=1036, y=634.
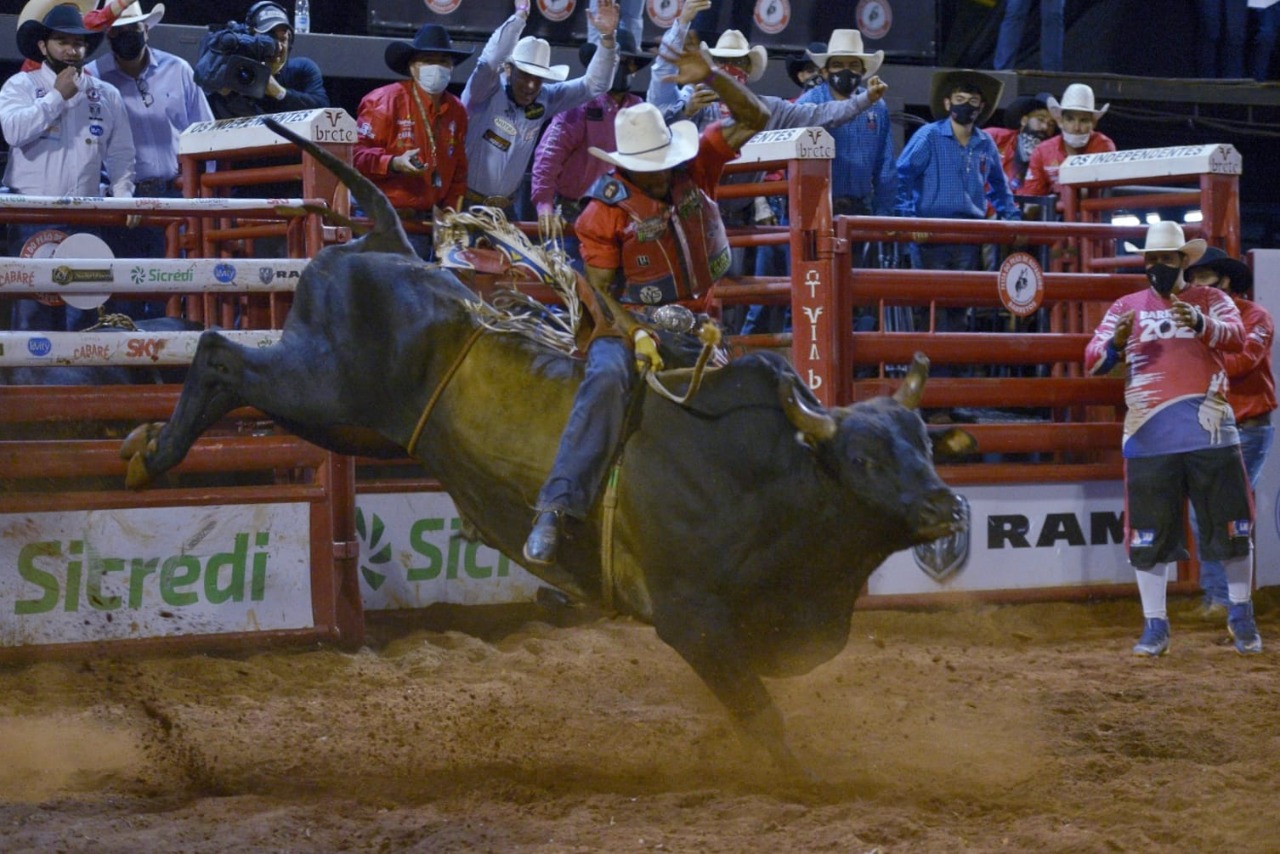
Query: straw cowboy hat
x=39, y=18
x=732, y=44
x=133, y=15
x=1166, y=236
x=430, y=38
x=646, y=143
x=533, y=56
x=1078, y=98
x=848, y=43
x=945, y=82
x=1224, y=265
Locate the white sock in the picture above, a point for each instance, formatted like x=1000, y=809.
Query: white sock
x=1239, y=572
x=1152, y=587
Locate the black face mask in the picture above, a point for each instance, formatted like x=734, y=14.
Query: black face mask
x=129, y=44
x=57, y=65
x=964, y=114
x=844, y=82
x=1163, y=277
x=812, y=83
x=621, y=81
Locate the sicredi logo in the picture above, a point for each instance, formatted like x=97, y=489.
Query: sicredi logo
x=73, y=575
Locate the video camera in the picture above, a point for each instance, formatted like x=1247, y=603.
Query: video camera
x=235, y=57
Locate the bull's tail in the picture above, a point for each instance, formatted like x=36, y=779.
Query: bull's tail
x=387, y=234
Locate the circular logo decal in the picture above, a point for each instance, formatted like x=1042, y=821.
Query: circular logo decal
x=874, y=17
x=772, y=16
x=443, y=7
x=663, y=12
x=1021, y=284
x=41, y=245
x=556, y=10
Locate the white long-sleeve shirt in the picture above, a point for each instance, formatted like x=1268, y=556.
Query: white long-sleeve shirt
x=57, y=146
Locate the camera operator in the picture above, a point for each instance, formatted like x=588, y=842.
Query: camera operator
x=247, y=71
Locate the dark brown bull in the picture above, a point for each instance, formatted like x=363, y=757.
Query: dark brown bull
x=744, y=547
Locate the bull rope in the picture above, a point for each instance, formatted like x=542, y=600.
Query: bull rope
x=440, y=387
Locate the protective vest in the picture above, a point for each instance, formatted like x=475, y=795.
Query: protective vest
x=670, y=252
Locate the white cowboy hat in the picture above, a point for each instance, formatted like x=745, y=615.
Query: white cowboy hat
x=1166, y=236
x=848, y=43
x=1078, y=98
x=646, y=143
x=732, y=44
x=133, y=15
x=533, y=56
x=35, y=10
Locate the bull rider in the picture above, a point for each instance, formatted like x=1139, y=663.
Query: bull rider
x=651, y=235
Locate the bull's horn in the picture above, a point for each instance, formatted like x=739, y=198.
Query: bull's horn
x=909, y=393
x=814, y=426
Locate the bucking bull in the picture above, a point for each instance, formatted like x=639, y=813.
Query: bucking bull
x=744, y=524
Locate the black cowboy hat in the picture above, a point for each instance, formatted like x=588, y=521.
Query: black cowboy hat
x=627, y=49
x=799, y=62
x=63, y=18
x=1022, y=105
x=431, y=38
x=945, y=82
x=1224, y=265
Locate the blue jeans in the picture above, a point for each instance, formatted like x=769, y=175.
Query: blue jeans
x=31, y=315
x=1015, y=21
x=1221, y=37
x=1265, y=41
x=591, y=436
x=1254, y=444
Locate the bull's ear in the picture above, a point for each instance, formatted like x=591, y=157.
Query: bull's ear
x=812, y=426
x=909, y=393
x=952, y=442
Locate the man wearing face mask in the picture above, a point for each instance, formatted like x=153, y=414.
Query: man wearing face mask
x=295, y=82
x=64, y=128
x=563, y=170
x=1077, y=119
x=951, y=169
x=506, y=117
x=803, y=71
x=1180, y=436
x=1253, y=394
x=96, y=20
x=412, y=132
x=162, y=99
x=1029, y=123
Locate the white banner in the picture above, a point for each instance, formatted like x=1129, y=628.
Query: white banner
x=1020, y=536
x=411, y=556
x=131, y=349
x=23, y=276
x=155, y=572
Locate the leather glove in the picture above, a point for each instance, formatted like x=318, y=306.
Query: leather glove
x=647, y=357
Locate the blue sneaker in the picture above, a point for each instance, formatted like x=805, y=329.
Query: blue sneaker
x=1155, y=638
x=1244, y=631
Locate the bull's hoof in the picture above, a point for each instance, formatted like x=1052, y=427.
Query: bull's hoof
x=140, y=442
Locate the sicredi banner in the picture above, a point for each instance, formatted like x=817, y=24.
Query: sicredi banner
x=1020, y=536
x=412, y=555
x=98, y=575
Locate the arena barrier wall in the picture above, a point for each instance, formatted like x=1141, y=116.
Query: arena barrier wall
x=390, y=545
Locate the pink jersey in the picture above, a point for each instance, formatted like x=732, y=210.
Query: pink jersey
x=1168, y=364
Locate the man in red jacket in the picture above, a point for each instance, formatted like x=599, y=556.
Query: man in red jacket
x=411, y=134
x=1078, y=120
x=1252, y=394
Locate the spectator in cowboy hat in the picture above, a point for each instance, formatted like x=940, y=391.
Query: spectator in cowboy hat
x=64, y=128
x=425, y=167
x=802, y=70
x=1028, y=123
x=563, y=170
x=662, y=174
x=162, y=99
x=1253, y=394
x=94, y=19
x=506, y=116
x=1077, y=118
x=1180, y=436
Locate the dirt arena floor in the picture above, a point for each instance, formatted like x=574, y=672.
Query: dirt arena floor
x=982, y=728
